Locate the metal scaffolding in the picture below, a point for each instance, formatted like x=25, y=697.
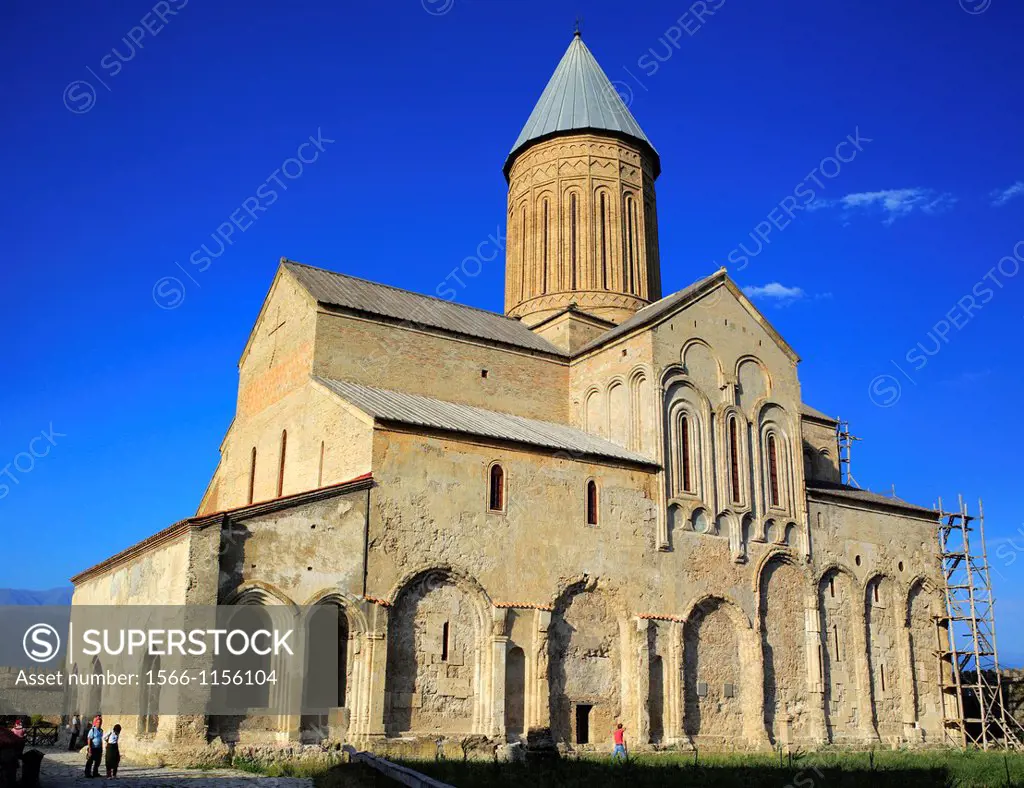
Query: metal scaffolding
x=974, y=708
x=844, y=442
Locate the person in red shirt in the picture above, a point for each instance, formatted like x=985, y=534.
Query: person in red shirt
x=619, y=737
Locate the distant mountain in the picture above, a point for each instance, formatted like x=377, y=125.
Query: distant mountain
x=20, y=596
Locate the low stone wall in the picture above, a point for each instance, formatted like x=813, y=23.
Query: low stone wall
x=400, y=774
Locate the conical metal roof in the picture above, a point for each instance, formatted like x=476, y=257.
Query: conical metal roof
x=579, y=97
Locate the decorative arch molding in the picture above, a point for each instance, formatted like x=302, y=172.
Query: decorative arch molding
x=671, y=374
x=618, y=411
x=784, y=556
x=351, y=605
x=773, y=419
x=733, y=609
x=836, y=566
x=878, y=575
x=750, y=401
x=445, y=589
x=641, y=408
x=717, y=364
x=735, y=486
x=750, y=357
x=743, y=663
x=790, y=534
x=595, y=408
x=463, y=580
x=640, y=370
x=584, y=583
x=605, y=238
x=256, y=592
x=689, y=450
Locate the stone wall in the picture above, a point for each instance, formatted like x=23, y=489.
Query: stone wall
x=407, y=358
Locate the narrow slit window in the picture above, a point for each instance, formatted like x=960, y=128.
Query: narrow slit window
x=496, y=493
x=881, y=671
x=591, y=502
x=604, y=244
x=874, y=592
x=628, y=257
x=734, y=459
x=444, y=642
x=320, y=467
x=684, y=438
x=572, y=241
x=773, y=471
x=280, y=468
x=544, y=271
x=252, y=475
x=523, y=239
x=821, y=665
x=835, y=639
x=832, y=587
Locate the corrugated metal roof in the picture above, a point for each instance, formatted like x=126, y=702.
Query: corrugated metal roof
x=579, y=96
x=350, y=292
x=865, y=496
x=814, y=413
x=397, y=406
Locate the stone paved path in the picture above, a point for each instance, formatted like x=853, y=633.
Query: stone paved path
x=62, y=769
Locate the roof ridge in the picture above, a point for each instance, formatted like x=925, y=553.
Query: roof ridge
x=402, y=290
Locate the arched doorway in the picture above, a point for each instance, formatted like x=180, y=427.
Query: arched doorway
x=325, y=681
x=515, y=692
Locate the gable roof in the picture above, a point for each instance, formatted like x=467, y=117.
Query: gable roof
x=361, y=295
x=579, y=97
x=419, y=411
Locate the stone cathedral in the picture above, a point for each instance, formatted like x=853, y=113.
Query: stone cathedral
x=604, y=505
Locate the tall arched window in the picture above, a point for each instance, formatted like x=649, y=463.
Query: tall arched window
x=573, y=245
x=280, y=467
x=591, y=502
x=544, y=270
x=629, y=242
x=604, y=241
x=734, y=459
x=252, y=475
x=496, y=489
x=687, y=459
x=773, y=472
x=523, y=240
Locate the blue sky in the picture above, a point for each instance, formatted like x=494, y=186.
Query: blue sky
x=415, y=105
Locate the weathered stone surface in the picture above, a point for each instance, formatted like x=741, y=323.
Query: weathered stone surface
x=704, y=596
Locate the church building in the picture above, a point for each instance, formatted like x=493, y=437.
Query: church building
x=604, y=505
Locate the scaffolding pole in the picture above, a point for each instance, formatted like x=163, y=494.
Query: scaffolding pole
x=975, y=715
x=844, y=444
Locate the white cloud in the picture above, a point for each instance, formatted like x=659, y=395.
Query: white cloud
x=892, y=203
x=1002, y=196
x=775, y=292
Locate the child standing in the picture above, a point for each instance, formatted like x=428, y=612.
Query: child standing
x=113, y=751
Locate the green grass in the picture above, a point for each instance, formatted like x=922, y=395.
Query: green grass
x=821, y=769
x=343, y=775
